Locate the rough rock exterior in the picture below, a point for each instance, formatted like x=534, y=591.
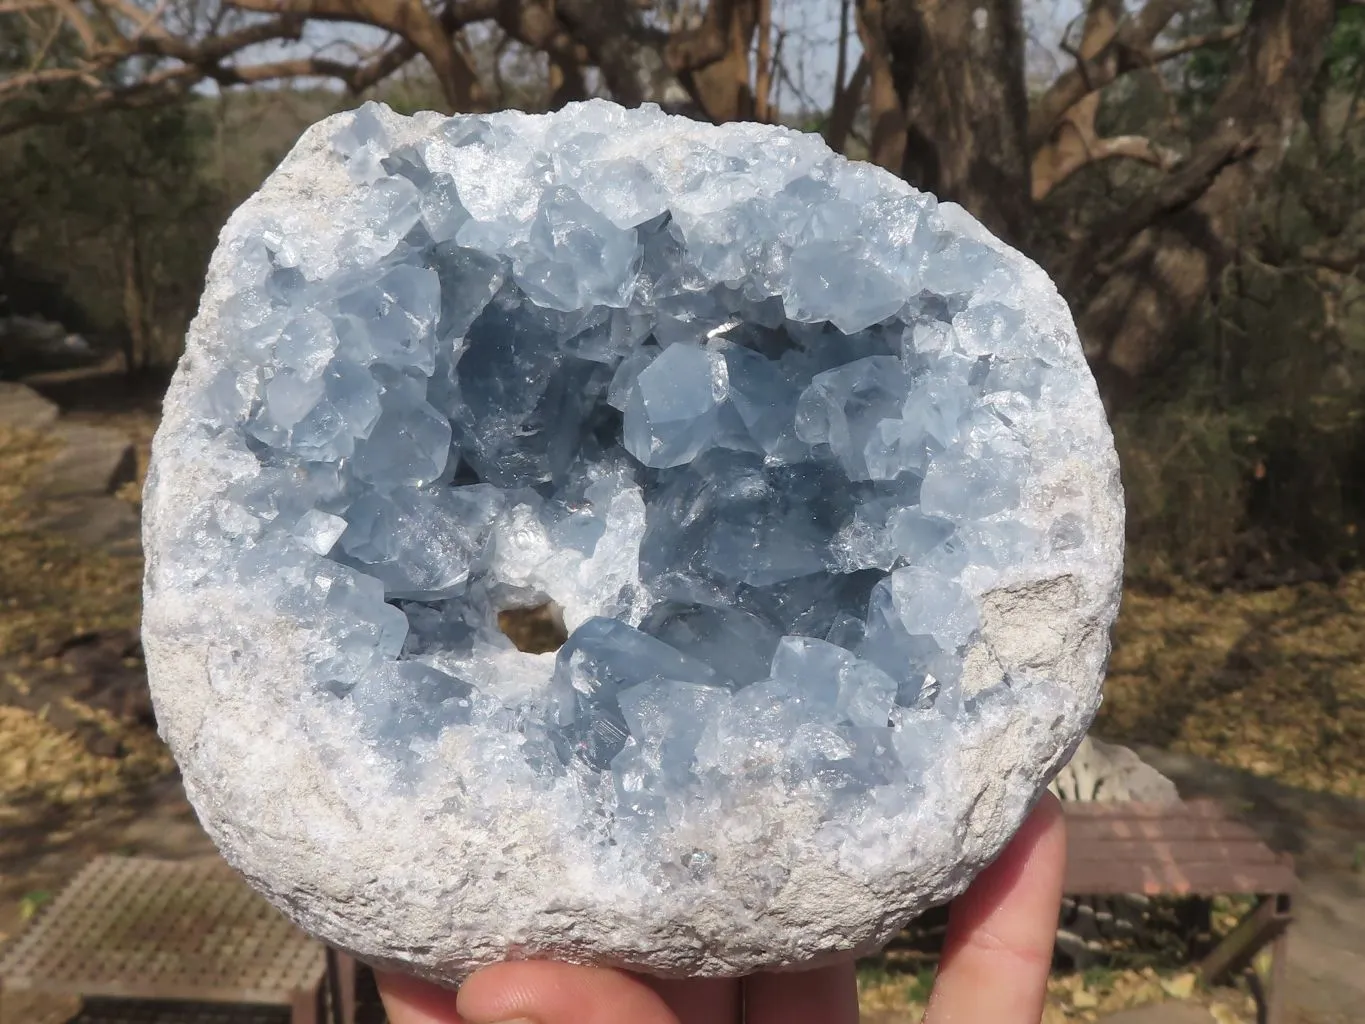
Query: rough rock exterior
x=812, y=464
x=1111, y=773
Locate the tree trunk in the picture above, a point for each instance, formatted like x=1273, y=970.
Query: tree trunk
x=1131, y=306
x=566, y=83
x=722, y=88
x=848, y=90
x=887, y=144
x=844, y=110
x=137, y=344
x=958, y=71
x=763, y=63
x=610, y=29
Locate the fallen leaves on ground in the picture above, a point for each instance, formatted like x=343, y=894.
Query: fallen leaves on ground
x=50, y=591
x=1080, y=996
x=1271, y=682
x=40, y=764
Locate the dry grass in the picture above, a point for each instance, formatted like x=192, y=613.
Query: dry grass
x=43, y=764
x=22, y=455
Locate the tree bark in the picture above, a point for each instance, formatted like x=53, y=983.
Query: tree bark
x=887, y=145
x=721, y=88
x=763, y=63
x=408, y=19
x=566, y=83
x=1129, y=307
x=847, y=100
x=137, y=346
x=958, y=71
x=610, y=30
x=841, y=55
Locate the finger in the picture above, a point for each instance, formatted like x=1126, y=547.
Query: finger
x=409, y=1000
x=998, y=950
x=700, y=1000
x=825, y=995
x=545, y=992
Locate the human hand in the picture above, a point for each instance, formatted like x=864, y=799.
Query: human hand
x=994, y=968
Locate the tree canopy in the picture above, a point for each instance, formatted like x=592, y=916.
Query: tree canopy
x=940, y=92
x=1188, y=170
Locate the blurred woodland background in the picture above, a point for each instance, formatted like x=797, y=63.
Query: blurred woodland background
x=1192, y=173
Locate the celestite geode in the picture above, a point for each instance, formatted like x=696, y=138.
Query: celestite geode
x=811, y=464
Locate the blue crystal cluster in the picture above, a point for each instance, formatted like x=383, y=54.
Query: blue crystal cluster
x=756, y=419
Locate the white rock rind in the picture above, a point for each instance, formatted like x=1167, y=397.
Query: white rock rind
x=319, y=832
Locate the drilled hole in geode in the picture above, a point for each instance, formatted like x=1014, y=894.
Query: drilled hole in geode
x=537, y=630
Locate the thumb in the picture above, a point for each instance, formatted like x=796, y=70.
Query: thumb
x=527, y=992
x=546, y=992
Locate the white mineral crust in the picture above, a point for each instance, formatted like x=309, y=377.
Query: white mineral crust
x=812, y=464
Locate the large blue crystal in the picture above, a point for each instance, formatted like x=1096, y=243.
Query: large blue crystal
x=758, y=421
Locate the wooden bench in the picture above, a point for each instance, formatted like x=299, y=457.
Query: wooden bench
x=1190, y=848
x=140, y=930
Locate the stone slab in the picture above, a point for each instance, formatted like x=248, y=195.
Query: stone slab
x=98, y=521
x=93, y=461
x=22, y=408
x=1162, y=1013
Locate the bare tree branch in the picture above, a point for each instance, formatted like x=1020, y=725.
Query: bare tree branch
x=1175, y=192
x=47, y=76
x=78, y=23
x=1189, y=44
x=841, y=52
x=218, y=48
x=1133, y=289
x=1075, y=141
x=1336, y=256
x=104, y=61
x=406, y=18
x=1129, y=47
x=105, y=50
x=1072, y=149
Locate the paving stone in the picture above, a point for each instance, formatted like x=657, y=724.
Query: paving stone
x=97, y=521
x=93, y=461
x=1162, y=1013
x=23, y=408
